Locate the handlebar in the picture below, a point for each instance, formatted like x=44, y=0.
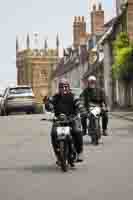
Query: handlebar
x=67, y=119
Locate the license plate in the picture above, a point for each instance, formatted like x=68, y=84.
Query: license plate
x=96, y=111
x=63, y=130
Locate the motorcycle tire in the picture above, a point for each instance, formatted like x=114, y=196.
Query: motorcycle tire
x=71, y=159
x=97, y=128
x=63, y=156
x=94, y=124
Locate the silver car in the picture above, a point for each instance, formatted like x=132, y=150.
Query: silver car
x=1, y=101
x=76, y=91
x=19, y=99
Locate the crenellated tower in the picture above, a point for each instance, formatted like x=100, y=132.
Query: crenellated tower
x=34, y=67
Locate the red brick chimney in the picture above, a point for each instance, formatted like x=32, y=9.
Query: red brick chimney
x=79, y=26
x=97, y=20
x=130, y=19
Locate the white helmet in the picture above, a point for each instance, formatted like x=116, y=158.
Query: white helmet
x=92, y=78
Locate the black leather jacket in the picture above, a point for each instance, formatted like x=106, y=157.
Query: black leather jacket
x=68, y=104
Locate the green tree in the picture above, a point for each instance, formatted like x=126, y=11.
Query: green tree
x=123, y=57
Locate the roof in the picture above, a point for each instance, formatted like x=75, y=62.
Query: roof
x=19, y=86
x=65, y=67
x=111, y=26
x=110, y=22
x=70, y=63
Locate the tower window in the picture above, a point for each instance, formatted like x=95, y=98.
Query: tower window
x=44, y=74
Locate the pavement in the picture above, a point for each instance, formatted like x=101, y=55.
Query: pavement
x=28, y=170
x=127, y=115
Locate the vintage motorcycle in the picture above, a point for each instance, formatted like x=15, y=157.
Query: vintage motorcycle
x=66, y=149
x=93, y=123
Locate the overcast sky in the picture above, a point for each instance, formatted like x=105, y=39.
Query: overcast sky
x=41, y=16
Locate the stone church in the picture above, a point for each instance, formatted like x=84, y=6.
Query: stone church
x=34, y=67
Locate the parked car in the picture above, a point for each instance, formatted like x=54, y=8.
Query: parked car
x=19, y=99
x=1, y=101
x=76, y=91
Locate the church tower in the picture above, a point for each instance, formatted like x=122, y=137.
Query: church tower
x=34, y=67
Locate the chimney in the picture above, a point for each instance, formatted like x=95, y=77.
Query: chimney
x=97, y=20
x=79, y=26
x=130, y=19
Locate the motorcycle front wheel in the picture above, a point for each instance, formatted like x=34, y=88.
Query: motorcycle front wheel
x=95, y=128
x=63, y=156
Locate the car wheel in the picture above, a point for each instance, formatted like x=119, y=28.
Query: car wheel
x=7, y=113
x=3, y=112
x=33, y=111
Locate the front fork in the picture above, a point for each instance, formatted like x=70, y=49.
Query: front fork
x=94, y=127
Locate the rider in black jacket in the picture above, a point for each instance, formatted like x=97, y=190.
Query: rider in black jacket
x=95, y=95
x=67, y=103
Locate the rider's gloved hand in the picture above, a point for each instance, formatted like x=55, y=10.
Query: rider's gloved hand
x=83, y=114
x=104, y=108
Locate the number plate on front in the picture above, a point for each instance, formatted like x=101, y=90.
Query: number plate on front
x=63, y=130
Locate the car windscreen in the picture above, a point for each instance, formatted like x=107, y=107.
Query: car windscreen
x=76, y=91
x=20, y=90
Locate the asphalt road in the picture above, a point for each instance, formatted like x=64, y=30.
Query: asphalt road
x=28, y=170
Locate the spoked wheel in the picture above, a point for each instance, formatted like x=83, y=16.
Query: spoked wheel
x=71, y=154
x=71, y=160
x=63, y=156
x=96, y=140
x=95, y=130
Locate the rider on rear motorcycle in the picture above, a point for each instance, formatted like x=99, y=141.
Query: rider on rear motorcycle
x=94, y=95
x=67, y=103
